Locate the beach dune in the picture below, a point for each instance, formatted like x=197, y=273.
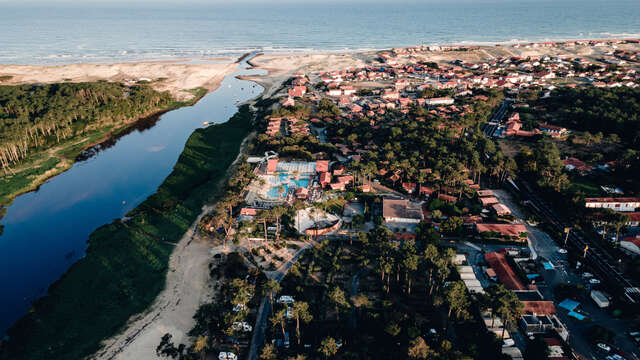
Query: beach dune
x=164, y=76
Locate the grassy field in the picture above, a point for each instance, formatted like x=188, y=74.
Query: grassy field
x=126, y=262
x=42, y=165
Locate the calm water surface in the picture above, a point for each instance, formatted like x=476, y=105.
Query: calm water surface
x=46, y=231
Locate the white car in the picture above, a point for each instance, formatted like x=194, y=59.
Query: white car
x=243, y=326
x=587, y=275
x=227, y=356
x=239, y=307
x=286, y=299
x=604, y=347
x=562, y=251
x=594, y=281
x=508, y=343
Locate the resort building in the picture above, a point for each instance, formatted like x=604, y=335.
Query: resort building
x=401, y=211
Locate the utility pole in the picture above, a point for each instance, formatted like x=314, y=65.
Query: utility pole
x=567, y=230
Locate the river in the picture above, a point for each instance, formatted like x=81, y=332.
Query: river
x=46, y=231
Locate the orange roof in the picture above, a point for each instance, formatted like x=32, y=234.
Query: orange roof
x=504, y=229
x=507, y=276
x=539, y=307
x=272, y=165
x=447, y=198
x=322, y=165
x=248, y=211
x=489, y=200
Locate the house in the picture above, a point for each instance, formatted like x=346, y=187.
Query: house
x=325, y=179
x=617, y=204
x=334, y=92
x=272, y=165
x=288, y=102
x=553, y=130
x=485, y=193
x=631, y=245
x=322, y=166
x=534, y=303
x=302, y=193
x=439, y=101
x=337, y=186
x=425, y=190
x=503, y=270
x=401, y=211
x=364, y=188
x=508, y=230
x=576, y=164
x=409, y=187
x=447, y=198
x=488, y=201
x=501, y=210
x=247, y=214
x=297, y=91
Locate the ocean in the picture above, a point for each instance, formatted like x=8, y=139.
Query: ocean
x=99, y=32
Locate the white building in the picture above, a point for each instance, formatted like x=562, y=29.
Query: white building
x=617, y=204
x=439, y=101
x=401, y=211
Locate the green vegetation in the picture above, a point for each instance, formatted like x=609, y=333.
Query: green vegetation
x=43, y=128
x=609, y=111
x=126, y=261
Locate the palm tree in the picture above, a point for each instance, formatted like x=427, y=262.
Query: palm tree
x=272, y=287
x=279, y=319
x=269, y=352
x=201, y=345
x=418, y=349
x=458, y=301
x=510, y=309
x=328, y=347
x=336, y=295
x=301, y=313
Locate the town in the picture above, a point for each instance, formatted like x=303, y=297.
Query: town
x=418, y=209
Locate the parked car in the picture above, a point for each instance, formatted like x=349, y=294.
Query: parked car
x=286, y=299
x=603, y=347
x=227, y=356
x=594, y=281
x=242, y=326
x=562, y=251
x=239, y=307
x=587, y=275
x=508, y=343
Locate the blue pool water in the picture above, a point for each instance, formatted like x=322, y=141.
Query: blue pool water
x=286, y=181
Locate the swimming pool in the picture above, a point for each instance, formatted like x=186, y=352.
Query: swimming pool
x=287, y=181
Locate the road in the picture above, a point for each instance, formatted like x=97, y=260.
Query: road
x=599, y=260
x=497, y=119
x=264, y=310
x=544, y=246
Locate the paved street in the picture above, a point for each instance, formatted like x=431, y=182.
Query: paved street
x=260, y=327
x=542, y=244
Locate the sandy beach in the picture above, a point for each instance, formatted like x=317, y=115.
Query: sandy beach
x=164, y=76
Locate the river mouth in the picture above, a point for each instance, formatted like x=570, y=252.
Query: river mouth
x=46, y=231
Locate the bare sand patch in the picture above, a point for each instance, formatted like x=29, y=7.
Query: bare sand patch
x=164, y=76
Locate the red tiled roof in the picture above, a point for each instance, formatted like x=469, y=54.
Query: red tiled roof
x=507, y=276
x=272, y=165
x=248, y=211
x=539, y=307
x=504, y=229
x=322, y=166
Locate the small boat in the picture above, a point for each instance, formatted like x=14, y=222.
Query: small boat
x=205, y=123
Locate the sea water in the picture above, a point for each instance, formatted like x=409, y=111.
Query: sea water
x=91, y=31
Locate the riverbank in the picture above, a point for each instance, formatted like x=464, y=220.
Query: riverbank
x=127, y=261
x=41, y=166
